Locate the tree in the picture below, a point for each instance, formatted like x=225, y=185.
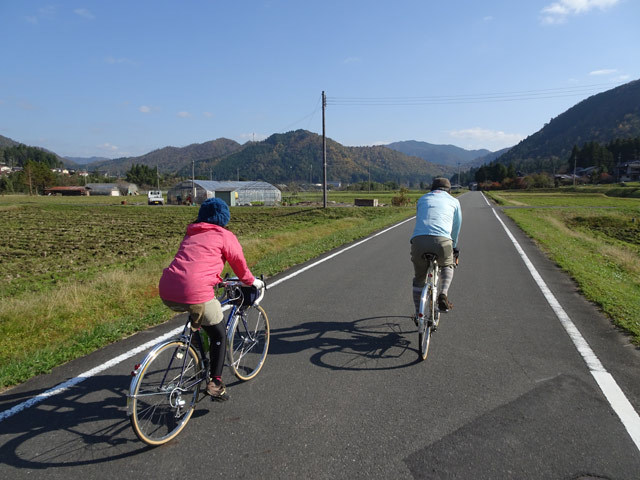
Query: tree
x=37, y=176
x=142, y=175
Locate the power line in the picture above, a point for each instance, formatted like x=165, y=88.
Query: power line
x=468, y=98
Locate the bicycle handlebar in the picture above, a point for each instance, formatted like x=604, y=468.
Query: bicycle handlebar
x=229, y=283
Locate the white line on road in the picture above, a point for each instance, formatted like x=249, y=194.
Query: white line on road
x=604, y=379
x=94, y=371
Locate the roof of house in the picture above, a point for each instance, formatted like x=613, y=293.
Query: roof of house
x=220, y=186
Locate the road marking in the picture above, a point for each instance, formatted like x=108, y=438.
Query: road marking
x=614, y=394
x=94, y=371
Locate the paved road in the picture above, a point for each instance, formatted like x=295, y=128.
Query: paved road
x=503, y=394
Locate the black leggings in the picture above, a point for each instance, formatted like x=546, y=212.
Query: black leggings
x=217, y=347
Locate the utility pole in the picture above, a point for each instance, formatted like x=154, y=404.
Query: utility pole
x=324, y=153
x=193, y=181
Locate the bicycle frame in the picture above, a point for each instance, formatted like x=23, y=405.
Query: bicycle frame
x=430, y=287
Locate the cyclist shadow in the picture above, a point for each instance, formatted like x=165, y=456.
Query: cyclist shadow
x=371, y=343
x=84, y=425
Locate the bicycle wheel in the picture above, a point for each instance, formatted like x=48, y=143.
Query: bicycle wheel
x=424, y=333
x=248, y=342
x=164, y=392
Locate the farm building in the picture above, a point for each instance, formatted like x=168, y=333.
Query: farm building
x=66, y=191
x=110, y=189
x=113, y=189
x=233, y=193
x=628, y=171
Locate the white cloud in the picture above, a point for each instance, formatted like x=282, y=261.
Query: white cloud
x=83, y=12
x=352, y=60
x=43, y=13
x=108, y=147
x=145, y=109
x=207, y=114
x=184, y=114
x=114, y=61
x=557, y=12
x=488, y=18
x=605, y=71
x=478, y=137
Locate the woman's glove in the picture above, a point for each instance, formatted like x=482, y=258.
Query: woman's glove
x=259, y=284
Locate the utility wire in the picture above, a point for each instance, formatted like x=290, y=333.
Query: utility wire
x=467, y=98
x=309, y=116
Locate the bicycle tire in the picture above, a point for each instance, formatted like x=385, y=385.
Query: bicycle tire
x=248, y=342
x=162, y=399
x=424, y=333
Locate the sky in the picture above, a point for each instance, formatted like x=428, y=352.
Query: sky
x=118, y=78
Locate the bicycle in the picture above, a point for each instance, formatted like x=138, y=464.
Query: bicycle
x=166, y=385
x=428, y=313
x=428, y=316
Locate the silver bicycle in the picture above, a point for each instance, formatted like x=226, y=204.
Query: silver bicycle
x=428, y=313
x=166, y=385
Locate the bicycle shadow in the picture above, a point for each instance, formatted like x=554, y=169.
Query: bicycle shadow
x=84, y=425
x=370, y=343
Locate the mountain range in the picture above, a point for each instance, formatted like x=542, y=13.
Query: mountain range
x=297, y=155
x=600, y=118
x=449, y=155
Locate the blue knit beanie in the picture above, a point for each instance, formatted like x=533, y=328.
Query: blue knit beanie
x=215, y=211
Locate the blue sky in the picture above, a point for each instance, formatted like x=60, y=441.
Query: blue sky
x=120, y=78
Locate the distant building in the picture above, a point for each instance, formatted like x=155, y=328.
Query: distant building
x=113, y=189
x=67, y=191
x=628, y=171
x=110, y=189
x=233, y=193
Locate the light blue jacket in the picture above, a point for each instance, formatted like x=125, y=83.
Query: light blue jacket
x=438, y=214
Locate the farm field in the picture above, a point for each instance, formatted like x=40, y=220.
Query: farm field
x=81, y=272
x=595, y=238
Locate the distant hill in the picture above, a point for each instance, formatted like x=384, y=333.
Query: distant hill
x=7, y=142
x=448, y=155
x=600, y=118
x=297, y=156
x=171, y=159
x=83, y=161
x=488, y=158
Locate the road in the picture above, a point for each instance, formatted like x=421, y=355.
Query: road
x=504, y=394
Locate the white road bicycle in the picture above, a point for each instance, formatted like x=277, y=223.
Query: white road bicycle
x=428, y=313
x=166, y=385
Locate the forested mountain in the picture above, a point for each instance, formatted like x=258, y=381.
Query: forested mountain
x=602, y=118
x=7, y=142
x=488, y=158
x=449, y=155
x=171, y=159
x=83, y=161
x=297, y=156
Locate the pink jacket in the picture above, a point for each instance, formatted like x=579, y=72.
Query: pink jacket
x=200, y=259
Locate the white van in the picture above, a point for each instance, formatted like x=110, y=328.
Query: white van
x=154, y=197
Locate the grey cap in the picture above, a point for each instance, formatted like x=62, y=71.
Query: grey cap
x=441, y=183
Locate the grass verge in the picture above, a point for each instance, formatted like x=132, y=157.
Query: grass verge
x=81, y=297
x=599, y=247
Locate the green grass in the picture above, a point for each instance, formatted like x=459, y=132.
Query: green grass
x=81, y=272
x=595, y=238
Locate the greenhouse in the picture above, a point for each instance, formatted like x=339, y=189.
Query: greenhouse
x=233, y=193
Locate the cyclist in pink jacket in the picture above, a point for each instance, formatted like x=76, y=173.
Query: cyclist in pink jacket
x=187, y=284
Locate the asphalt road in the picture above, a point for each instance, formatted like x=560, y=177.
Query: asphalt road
x=504, y=393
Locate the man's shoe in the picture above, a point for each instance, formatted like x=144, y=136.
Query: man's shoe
x=443, y=303
x=217, y=391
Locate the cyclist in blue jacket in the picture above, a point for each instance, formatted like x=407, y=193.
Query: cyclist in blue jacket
x=438, y=222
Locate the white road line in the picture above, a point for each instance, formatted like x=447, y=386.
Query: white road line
x=94, y=371
x=614, y=394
